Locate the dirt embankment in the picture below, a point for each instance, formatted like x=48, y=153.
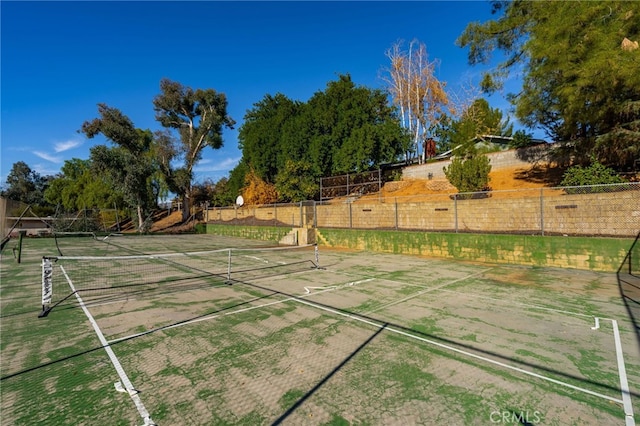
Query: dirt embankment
x=515, y=178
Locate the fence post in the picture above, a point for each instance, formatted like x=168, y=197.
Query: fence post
x=542, y=211
x=117, y=219
x=396, y=211
x=455, y=211
x=350, y=217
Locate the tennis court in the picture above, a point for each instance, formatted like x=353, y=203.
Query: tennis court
x=304, y=336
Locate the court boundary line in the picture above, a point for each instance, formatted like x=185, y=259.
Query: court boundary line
x=460, y=351
x=357, y=317
x=237, y=311
x=426, y=290
x=124, y=379
x=625, y=401
x=624, y=385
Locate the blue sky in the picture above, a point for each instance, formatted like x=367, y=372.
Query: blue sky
x=60, y=59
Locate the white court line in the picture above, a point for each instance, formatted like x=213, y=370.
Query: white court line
x=133, y=393
x=624, y=385
x=263, y=305
x=460, y=351
x=393, y=330
x=427, y=290
x=214, y=316
x=335, y=287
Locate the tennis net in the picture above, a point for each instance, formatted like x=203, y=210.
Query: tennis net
x=83, y=243
x=99, y=275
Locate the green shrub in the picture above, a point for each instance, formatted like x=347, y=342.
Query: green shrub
x=470, y=174
x=595, y=174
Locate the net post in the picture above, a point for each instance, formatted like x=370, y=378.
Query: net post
x=47, y=286
x=317, y=255
x=21, y=235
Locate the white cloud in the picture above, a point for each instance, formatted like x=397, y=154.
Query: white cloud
x=48, y=157
x=67, y=145
x=224, y=165
x=44, y=170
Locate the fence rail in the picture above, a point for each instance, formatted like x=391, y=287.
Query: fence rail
x=599, y=210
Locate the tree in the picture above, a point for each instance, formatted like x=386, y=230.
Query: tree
x=581, y=81
x=80, y=186
x=295, y=182
x=26, y=185
x=594, y=174
x=353, y=129
x=475, y=123
x=418, y=94
x=221, y=195
x=130, y=164
x=343, y=129
x=260, y=136
x=469, y=174
x=236, y=182
x=199, y=117
x=257, y=191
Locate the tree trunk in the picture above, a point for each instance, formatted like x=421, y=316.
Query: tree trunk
x=140, y=218
x=186, y=207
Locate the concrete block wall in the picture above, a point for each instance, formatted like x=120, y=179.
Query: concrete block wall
x=597, y=254
x=615, y=213
x=292, y=215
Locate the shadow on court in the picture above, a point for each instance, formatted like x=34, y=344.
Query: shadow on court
x=629, y=285
x=384, y=325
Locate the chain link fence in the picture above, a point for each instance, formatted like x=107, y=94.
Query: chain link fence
x=290, y=215
x=19, y=217
x=599, y=210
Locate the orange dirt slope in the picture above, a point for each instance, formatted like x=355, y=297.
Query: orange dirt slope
x=504, y=179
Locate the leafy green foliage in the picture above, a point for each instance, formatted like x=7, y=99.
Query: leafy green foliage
x=260, y=135
x=26, y=185
x=469, y=174
x=581, y=83
x=80, y=186
x=343, y=129
x=477, y=120
x=594, y=174
x=128, y=166
x=521, y=139
x=236, y=181
x=295, y=182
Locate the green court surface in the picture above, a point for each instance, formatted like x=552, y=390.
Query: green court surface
x=307, y=337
